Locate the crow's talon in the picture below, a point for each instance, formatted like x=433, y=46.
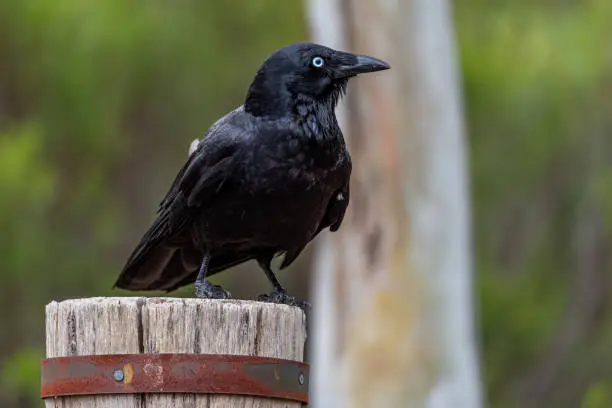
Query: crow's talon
x=207, y=290
x=283, y=298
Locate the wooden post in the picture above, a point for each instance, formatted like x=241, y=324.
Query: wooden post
x=97, y=326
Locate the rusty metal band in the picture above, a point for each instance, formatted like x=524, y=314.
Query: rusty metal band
x=175, y=373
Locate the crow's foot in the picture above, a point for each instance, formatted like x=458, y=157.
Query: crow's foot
x=206, y=290
x=282, y=298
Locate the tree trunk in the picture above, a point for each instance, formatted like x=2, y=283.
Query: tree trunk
x=393, y=314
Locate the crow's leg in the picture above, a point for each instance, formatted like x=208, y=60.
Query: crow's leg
x=279, y=294
x=206, y=290
x=265, y=265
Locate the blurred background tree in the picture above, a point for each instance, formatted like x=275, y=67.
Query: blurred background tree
x=393, y=288
x=99, y=101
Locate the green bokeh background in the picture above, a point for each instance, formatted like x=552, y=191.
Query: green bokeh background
x=100, y=100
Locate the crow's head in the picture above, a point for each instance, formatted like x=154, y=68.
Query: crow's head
x=304, y=71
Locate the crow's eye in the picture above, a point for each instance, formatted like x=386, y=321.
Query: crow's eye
x=317, y=62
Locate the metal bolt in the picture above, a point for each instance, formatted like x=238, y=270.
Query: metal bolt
x=301, y=378
x=118, y=375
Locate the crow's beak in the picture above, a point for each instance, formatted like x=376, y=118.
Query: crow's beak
x=363, y=65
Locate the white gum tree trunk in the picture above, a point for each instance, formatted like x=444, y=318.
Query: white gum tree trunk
x=393, y=308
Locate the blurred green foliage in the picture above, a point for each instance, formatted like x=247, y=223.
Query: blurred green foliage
x=538, y=86
x=98, y=104
x=99, y=101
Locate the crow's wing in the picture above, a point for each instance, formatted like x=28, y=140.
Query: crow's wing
x=334, y=214
x=336, y=209
x=166, y=252
x=339, y=201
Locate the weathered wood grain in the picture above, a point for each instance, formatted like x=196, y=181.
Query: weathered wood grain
x=171, y=325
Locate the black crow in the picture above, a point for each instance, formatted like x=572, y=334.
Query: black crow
x=264, y=180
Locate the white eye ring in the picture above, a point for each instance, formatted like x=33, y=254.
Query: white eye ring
x=317, y=62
